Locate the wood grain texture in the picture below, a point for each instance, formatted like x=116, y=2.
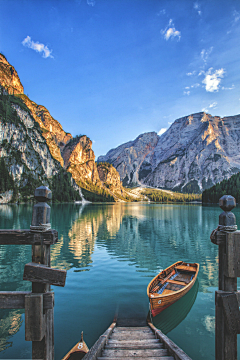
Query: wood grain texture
x=34, y=319
x=43, y=274
x=16, y=299
x=27, y=237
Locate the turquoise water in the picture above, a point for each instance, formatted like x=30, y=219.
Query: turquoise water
x=111, y=252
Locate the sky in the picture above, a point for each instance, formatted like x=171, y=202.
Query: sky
x=114, y=69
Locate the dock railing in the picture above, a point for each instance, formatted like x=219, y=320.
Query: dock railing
x=227, y=298
x=38, y=303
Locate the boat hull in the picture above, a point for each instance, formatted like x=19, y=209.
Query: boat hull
x=172, y=290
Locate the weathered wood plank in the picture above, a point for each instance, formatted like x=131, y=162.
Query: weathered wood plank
x=231, y=313
x=97, y=348
x=173, y=349
x=131, y=328
x=16, y=299
x=130, y=358
x=133, y=346
x=133, y=336
x=44, y=274
x=232, y=266
x=27, y=237
x=49, y=338
x=135, y=342
x=34, y=320
x=134, y=353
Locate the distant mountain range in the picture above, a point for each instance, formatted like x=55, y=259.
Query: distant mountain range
x=195, y=153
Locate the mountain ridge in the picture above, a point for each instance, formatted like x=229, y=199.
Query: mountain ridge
x=196, y=152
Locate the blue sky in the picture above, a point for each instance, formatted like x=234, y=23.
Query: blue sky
x=113, y=69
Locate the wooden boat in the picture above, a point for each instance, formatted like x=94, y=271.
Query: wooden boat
x=170, y=285
x=78, y=351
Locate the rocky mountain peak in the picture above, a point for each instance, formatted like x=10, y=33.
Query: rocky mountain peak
x=196, y=152
x=9, y=78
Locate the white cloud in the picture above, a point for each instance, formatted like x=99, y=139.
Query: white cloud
x=212, y=80
x=41, y=48
x=91, y=2
x=170, y=31
x=228, y=88
x=162, y=131
x=191, y=73
x=162, y=12
x=195, y=85
x=205, y=54
x=186, y=92
x=213, y=105
x=197, y=7
x=236, y=16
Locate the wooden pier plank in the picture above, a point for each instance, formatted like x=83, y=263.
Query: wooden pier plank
x=143, y=357
x=16, y=299
x=134, y=353
x=28, y=237
x=44, y=274
x=134, y=346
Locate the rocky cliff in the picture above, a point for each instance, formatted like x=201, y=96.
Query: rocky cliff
x=9, y=78
x=196, y=152
x=34, y=144
x=128, y=158
x=22, y=143
x=110, y=178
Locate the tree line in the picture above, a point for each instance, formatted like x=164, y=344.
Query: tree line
x=163, y=196
x=225, y=187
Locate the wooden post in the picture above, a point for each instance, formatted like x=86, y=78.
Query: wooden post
x=43, y=349
x=39, y=303
x=226, y=301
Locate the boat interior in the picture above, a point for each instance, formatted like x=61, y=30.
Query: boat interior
x=176, y=279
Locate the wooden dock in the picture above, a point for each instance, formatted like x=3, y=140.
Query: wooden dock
x=126, y=340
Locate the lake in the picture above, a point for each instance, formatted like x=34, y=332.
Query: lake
x=111, y=252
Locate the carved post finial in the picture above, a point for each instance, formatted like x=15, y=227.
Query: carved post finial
x=41, y=210
x=227, y=220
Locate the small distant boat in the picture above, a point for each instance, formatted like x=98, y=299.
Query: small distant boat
x=78, y=351
x=170, y=285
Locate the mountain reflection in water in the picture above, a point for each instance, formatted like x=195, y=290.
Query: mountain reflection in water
x=111, y=252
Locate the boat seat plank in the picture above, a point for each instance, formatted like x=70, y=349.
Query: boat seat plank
x=177, y=282
x=186, y=268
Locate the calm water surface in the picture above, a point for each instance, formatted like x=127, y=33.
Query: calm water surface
x=111, y=252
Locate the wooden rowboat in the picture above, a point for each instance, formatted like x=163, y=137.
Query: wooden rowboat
x=170, y=285
x=78, y=351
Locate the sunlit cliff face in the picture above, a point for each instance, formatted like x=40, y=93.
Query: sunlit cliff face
x=196, y=152
x=9, y=78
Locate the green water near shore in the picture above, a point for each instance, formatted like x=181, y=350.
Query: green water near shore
x=111, y=252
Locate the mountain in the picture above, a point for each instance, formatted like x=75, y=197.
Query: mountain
x=195, y=153
x=35, y=147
